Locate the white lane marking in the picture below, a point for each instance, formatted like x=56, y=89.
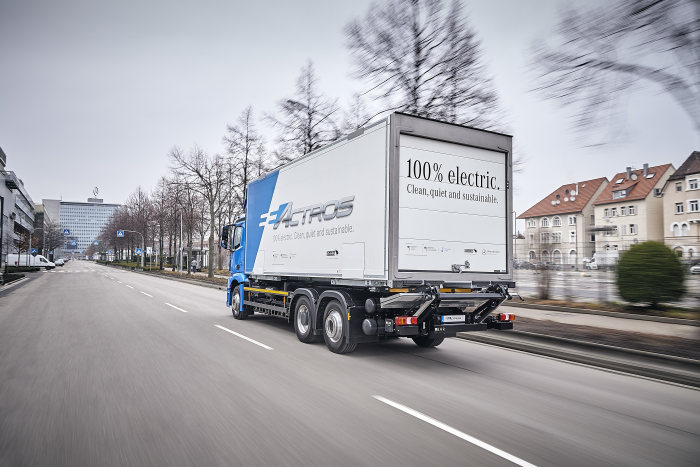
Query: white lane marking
x=119, y=282
x=455, y=432
x=177, y=308
x=130, y=286
x=147, y=295
x=244, y=337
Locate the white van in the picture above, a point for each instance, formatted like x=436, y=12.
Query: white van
x=29, y=260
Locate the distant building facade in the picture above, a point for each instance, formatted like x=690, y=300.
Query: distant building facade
x=630, y=209
x=681, y=200
x=81, y=222
x=16, y=214
x=556, y=228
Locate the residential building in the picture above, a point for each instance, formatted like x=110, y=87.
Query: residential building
x=16, y=214
x=556, y=228
x=630, y=209
x=80, y=222
x=681, y=200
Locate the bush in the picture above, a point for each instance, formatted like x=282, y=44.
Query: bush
x=650, y=273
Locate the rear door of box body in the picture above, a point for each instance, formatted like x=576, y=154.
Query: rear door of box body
x=450, y=201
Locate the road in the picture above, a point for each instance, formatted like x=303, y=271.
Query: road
x=100, y=366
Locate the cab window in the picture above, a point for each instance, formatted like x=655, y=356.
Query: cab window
x=237, y=237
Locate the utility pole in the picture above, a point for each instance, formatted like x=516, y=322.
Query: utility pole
x=143, y=247
x=181, y=243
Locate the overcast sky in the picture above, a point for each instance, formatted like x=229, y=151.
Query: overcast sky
x=95, y=93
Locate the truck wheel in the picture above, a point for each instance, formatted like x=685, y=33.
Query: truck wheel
x=334, y=326
x=236, y=305
x=427, y=341
x=302, y=321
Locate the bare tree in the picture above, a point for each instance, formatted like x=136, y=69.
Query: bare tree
x=601, y=53
x=206, y=175
x=307, y=119
x=244, y=146
x=421, y=57
x=356, y=115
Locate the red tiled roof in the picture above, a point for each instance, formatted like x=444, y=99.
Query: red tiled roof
x=691, y=166
x=562, y=196
x=637, y=189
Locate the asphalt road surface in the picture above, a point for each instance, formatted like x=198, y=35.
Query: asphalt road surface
x=106, y=367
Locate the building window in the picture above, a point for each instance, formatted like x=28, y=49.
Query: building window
x=679, y=208
x=572, y=257
x=572, y=236
x=619, y=194
x=613, y=211
x=532, y=255
x=592, y=237
x=693, y=205
x=623, y=211
x=592, y=222
x=679, y=186
x=556, y=237
x=633, y=210
x=606, y=212
x=544, y=237
x=633, y=229
x=556, y=221
x=572, y=220
x=623, y=229
x=531, y=223
x=532, y=239
x=684, y=230
x=556, y=257
x=544, y=222
x=693, y=184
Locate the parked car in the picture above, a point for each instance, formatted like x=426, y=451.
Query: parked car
x=59, y=262
x=695, y=269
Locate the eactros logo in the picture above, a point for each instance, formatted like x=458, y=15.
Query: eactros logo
x=290, y=217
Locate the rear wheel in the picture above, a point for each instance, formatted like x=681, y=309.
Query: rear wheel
x=335, y=329
x=236, y=305
x=302, y=321
x=428, y=341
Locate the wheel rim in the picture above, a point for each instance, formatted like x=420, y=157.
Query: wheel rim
x=334, y=326
x=303, y=319
x=236, y=303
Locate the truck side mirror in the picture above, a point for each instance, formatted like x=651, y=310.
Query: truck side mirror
x=224, y=237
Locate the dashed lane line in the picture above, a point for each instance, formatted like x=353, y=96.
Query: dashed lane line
x=130, y=286
x=455, y=432
x=267, y=347
x=147, y=295
x=177, y=308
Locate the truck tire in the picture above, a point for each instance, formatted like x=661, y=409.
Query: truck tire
x=334, y=328
x=302, y=321
x=236, y=305
x=427, y=341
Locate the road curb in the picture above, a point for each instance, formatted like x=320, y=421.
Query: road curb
x=610, y=314
x=165, y=276
x=674, y=369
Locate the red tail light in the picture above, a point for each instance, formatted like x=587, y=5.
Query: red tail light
x=405, y=320
x=506, y=317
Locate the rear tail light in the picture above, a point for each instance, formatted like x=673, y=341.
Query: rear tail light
x=405, y=320
x=506, y=317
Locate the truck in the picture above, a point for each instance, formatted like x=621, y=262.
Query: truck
x=605, y=259
x=30, y=260
x=400, y=229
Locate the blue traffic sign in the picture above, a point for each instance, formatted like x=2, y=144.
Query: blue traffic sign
x=34, y=251
x=120, y=233
x=109, y=252
x=66, y=231
x=74, y=243
x=95, y=242
x=139, y=251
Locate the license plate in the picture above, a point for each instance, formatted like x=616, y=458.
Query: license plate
x=452, y=319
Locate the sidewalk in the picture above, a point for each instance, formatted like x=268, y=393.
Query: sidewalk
x=606, y=322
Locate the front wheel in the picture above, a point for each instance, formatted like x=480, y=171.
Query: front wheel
x=428, y=341
x=236, y=305
x=335, y=329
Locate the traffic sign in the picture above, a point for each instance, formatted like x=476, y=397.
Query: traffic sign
x=109, y=252
x=95, y=243
x=66, y=231
x=74, y=243
x=34, y=251
x=120, y=233
x=139, y=251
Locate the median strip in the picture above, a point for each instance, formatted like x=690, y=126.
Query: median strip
x=244, y=337
x=455, y=432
